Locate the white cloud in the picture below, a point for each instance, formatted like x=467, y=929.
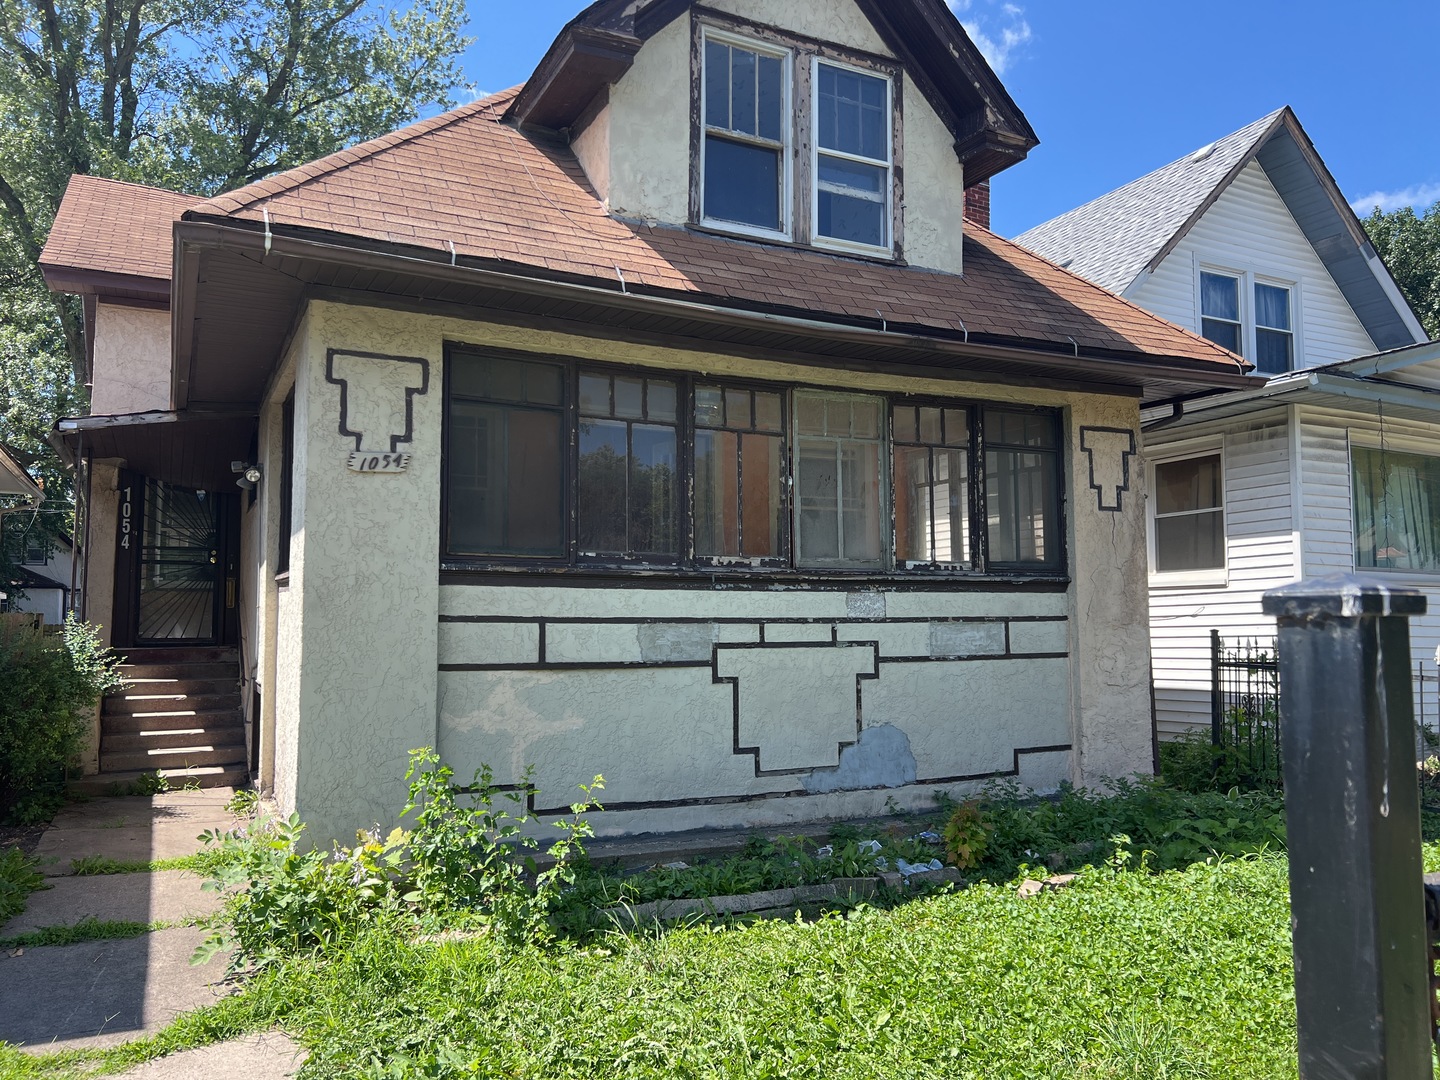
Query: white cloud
x=998, y=29
x=1419, y=196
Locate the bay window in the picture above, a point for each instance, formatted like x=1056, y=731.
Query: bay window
x=560, y=463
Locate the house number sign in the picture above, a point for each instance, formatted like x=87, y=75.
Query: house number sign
x=362, y=462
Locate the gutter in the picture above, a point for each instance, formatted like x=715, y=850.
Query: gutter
x=1348, y=387
x=192, y=237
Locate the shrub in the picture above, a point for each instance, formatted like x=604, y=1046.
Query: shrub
x=18, y=879
x=50, y=684
x=1192, y=763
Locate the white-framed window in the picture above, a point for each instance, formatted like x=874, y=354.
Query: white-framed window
x=1274, y=329
x=1395, y=500
x=853, y=154
x=839, y=483
x=1220, y=315
x=1187, y=515
x=36, y=553
x=748, y=129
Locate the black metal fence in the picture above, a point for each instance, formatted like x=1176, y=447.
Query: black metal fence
x=1245, y=707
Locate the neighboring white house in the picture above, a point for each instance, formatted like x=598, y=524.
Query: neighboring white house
x=44, y=578
x=662, y=418
x=1335, y=465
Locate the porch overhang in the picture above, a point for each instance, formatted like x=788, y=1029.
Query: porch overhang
x=187, y=449
x=240, y=287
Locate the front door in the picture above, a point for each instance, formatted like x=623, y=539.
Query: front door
x=177, y=554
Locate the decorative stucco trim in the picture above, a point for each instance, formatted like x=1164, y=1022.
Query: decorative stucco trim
x=1104, y=443
x=410, y=392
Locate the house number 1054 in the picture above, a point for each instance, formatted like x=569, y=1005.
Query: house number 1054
x=126, y=516
x=378, y=463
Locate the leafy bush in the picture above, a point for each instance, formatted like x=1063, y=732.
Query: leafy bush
x=50, y=684
x=1178, y=828
x=1192, y=763
x=967, y=834
x=18, y=879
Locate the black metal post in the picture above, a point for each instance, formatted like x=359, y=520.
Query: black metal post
x=1216, y=706
x=1353, y=818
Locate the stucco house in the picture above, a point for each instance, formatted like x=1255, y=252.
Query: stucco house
x=662, y=418
x=1330, y=468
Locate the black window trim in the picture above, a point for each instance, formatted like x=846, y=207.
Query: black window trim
x=687, y=567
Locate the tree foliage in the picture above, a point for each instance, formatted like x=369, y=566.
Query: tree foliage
x=195, y=95
x=1410, y=245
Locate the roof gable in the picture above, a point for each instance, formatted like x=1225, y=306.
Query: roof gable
x=599, y=45
x=1117, y=239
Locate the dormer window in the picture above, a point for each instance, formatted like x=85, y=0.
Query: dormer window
x=746, y=136
x=760, y=100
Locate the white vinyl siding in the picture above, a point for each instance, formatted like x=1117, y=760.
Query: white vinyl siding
x=1260, y=554
x=1250, y=229
x=1327, y=435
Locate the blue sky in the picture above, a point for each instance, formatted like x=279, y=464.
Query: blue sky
x=1117, y=89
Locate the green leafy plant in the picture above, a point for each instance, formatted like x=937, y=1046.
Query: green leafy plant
x=966, y=835
x=51, y=683
x=145, y=784
x=18, y=879
x=244, y=803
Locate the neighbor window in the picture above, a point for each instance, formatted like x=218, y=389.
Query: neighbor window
x=505, y=455
x=36, y=554
x=852, y=157
x=1274, y=336
x=1220, y=311
x=1189, y=515
x=1397, y=510
x=746, y=134
x=574, y=465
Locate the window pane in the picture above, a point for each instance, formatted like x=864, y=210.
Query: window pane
x=743, y=91
x=817, y=497
x=660, y=401
x=717, y=85
x=737, y=409
x=1020, y=493
x=545, y=384
x=717, y=525
x=654, y=490
x=952, y=507
x=810, y=412
x=904, y=419
x=1194, y=484
x=603, y=469
x=1274, y=351
x=505, y=475
x=930, y=426
x=1019, y=429
x=595, y=395
x=742, y=183
x=957, y=427
x=865, y=418
x=851, y=202
x=762, y=464
x=709, y=406
x=852, y=113
x=768, y=412
x=912, y=504
x=772, y=98
x=860, y=506
x=1397, y=510
x=1191, y=542
x=1272, y=307
x=1220, y=297
x=629, y=398
x=1226, y=335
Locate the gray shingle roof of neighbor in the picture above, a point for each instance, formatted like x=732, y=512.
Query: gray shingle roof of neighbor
x=1116, y=238
x=1110, y=240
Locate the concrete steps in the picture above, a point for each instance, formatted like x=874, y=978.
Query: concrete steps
x=178, y=714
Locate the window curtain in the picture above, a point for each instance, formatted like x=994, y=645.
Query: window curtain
x=1394, y=528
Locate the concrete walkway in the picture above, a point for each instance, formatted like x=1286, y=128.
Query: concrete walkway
x=102, y=993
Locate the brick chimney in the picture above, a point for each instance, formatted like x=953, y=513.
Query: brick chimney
x=977, y=204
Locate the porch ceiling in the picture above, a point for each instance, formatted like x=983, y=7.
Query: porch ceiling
x=192, y=450
x=240, y=291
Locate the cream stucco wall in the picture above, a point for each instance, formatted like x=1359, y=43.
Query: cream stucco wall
x=701, y=706
x=636, y=151
x=132, y=360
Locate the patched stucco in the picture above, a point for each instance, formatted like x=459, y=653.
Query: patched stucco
x=132, y=360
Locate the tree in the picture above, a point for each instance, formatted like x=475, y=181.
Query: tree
x=196, y=95
x=1410, y=245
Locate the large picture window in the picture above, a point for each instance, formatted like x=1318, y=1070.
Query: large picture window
x=1397, y=510
x=562, y=463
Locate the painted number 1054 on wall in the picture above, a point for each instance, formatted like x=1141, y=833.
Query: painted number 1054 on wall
x=378, y=463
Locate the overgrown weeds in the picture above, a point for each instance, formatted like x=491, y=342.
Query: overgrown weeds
x=18, y=879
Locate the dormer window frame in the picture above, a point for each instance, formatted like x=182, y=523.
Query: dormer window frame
x=786, y=144
x=804, y=57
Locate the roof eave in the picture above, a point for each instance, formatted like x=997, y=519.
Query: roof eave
x=90, y=281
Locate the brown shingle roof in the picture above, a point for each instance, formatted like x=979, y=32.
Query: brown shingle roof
x=114, y=227
x=520, y=198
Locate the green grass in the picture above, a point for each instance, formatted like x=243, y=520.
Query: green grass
x=91, y=929
x=201, y=862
